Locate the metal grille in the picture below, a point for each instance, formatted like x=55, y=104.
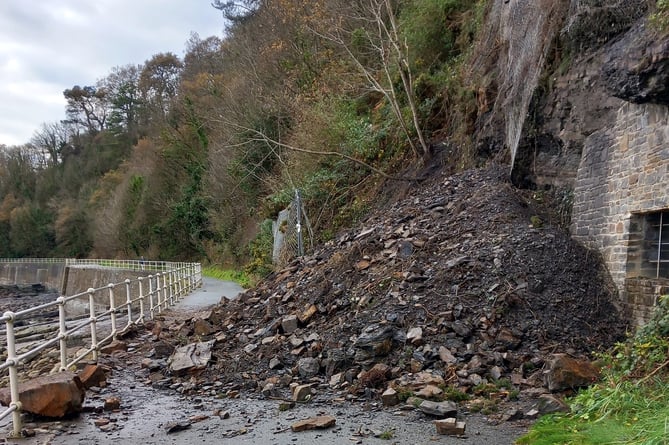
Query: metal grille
x=657, y=243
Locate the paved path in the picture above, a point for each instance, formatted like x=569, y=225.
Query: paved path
x=210, y=293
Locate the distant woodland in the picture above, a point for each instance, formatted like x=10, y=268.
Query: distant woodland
x=189, y=158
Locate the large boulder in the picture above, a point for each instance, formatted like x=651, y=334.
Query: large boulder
x=563, y=372
x=55, y=395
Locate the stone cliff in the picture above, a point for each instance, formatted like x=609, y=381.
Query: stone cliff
x=594, y=132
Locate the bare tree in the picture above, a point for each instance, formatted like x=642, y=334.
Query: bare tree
x=50, y=140
x=372, y=40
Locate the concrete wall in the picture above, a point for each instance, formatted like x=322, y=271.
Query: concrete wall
x=78, y=279
x=623, y=174
x=72, y=280
x=48, y=274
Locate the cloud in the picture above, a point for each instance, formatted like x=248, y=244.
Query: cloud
x=53, y=45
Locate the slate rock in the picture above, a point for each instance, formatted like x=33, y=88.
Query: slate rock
x=190, y=357
x=564, y=372
x=439, y=409
x=313, y=423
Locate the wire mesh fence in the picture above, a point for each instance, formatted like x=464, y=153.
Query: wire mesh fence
x=293, y=234
x=592, y=22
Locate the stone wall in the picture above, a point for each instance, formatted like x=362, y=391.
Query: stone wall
x=641, y=296
x=623, y=173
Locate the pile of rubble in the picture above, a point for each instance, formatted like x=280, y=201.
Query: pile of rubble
x=463, y=280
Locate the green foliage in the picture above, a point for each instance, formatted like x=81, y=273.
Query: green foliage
x=257, y=156
x=260, y=251
x=629, y=405
x=5, y=243
x=239, y=277
x=31, y=232
x=454, y=394
x=426, y=28
x=660, y=18
x=73, y=238
x=387, y=434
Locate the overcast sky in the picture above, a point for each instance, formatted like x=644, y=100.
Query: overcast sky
x=47, y=46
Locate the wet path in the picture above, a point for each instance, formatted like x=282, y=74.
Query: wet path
x=146, y=411
x=210, y=293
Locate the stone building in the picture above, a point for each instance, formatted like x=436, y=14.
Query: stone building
x=621, y=203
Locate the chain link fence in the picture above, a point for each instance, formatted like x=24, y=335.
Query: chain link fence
x=293, y=234
x=518, y=35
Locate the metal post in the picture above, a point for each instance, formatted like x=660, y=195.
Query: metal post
x=180, y=281
x=659, y=249
x=62, y=334
x=128, y=301
x=112, y=310
x=298, y=225
x=141, y=299
x=13, y=375
x=151, y=306
x=159, y=291
x=94, y=320
x=171, y=286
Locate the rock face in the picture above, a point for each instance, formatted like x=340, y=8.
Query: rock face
x=637, y=67
x=55, y=395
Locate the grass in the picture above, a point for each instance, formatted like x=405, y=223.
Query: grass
x=629, y=406
x=243, y=279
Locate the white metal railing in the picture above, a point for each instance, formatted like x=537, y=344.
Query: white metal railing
x=32, y=260
x=132, y=300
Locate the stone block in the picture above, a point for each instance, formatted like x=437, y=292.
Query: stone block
x=450, y=427
x=319, y=422
x=289, y=324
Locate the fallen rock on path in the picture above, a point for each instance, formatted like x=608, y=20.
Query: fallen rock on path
x=54, y=395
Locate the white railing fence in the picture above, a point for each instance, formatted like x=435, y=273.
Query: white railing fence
x=91, y=318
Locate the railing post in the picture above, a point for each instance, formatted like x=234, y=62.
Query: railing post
x=159, y=291
x=128, y=302
x=191, y=277
x=62, y=335
x=141, y=299
x=170, y=275
x=13, y=375
x=94, y=320
x=112, y=310
x=180, y=282
x=151, y=306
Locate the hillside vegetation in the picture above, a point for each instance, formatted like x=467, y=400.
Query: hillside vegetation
x=185, y=158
